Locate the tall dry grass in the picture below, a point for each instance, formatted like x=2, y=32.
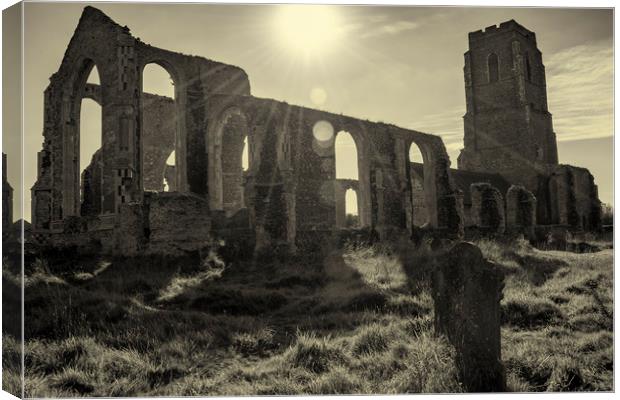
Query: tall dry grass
x=357, y=321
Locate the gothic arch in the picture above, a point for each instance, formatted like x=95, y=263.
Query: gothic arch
x=215, y=146
x=72, y=108
x=359, y=134
x=180, y=101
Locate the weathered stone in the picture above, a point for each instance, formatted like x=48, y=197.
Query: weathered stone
x=166, y=218
x=487, y=208
x=572, y=199
x=290, y=185
x=467, y=290
x=520, y=210
x=509, y=130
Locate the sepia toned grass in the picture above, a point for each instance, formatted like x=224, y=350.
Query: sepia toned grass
x=359, y=321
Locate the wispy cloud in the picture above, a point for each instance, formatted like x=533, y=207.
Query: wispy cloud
x=580, y=96
x=392, y=28
x=447, y=124
x=580, y=91
x=378, y=25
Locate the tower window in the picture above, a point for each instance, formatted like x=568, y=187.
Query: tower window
x=493, y=68
x=528, y=68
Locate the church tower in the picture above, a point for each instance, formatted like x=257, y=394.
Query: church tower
x=508, y=128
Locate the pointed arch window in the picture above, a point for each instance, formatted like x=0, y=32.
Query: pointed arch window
x=528, y=68
x=493, y=64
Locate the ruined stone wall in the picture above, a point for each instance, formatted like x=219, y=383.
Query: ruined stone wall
x=420, y=215
x=120, y=59
x=158, y=140
x=176, y=223
x=292, y=173
x=487, y=208
x=574, y=198
x=340, y=191
x=586, y=198
x=91, y=186
x=520, y=210
x=157, y=144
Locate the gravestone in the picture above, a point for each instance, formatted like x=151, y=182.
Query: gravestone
x=467, y=290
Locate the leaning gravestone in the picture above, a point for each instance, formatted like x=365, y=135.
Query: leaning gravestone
x=467, y=290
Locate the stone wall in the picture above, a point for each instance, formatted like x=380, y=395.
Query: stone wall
x=573, y=198
x=176, y=223
x=120, y=59
x=292, y=172
x=420, y=215
x=340, y=191
x=520, y=210
x=487, y=208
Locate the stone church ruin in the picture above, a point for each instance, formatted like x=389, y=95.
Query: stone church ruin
x=508, y=178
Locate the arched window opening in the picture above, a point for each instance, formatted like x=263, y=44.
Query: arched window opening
x=94, y=76
x=528, y=68
x=351, y=212
x=170, y=173
x=415, y=155
x=159, y=129
x=245, y=156
x=235, y=162
x=90, y=133
x=418, y=196
x=493, y=68
x=346, y=156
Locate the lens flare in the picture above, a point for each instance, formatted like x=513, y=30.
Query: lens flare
x=323, y=131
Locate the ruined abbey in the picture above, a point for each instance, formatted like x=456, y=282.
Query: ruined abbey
x=508, y=177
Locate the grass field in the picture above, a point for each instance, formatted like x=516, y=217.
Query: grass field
x=358, y=320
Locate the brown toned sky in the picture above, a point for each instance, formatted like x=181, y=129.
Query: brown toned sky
x=402, y=65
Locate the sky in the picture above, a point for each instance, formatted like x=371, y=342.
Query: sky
x=395, y=64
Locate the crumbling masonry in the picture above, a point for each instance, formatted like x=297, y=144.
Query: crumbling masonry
x=289, y=193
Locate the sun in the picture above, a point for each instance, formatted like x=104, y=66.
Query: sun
x=308, y=30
